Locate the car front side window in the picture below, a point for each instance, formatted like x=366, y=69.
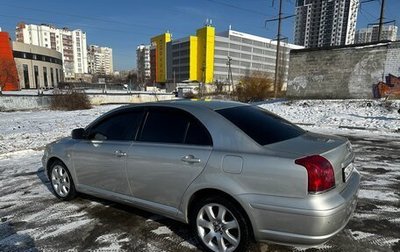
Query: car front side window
x=122, y=126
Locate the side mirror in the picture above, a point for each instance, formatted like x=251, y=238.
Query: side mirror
x=79, y=133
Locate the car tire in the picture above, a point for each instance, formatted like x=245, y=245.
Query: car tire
x=218, y=224
x=61, y=181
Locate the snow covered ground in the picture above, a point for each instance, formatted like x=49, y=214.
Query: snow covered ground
x=341, y=116
x=32, y=218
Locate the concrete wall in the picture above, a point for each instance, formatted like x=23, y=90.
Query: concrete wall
x=347, y=72
x=392, y=64
x=98, y=99
x=29, y=102
x=14, y=102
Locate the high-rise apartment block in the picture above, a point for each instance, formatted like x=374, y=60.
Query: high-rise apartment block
x=70, y=43
x=143, y=63
x=100, y=60
x=370, y=34
x=322, y=23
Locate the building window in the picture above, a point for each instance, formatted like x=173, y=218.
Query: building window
x=26, y=75
x=36, y=70
x=52, y=76
x=57, y=77
x=246, y=48
x=46, y=84
x=234, y=54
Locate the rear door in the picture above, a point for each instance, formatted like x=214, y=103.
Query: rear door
x=171, y=150
x=100, y=160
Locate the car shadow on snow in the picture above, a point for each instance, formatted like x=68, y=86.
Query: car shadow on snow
x=113, y=217
x=45, y=181
x=11, y=241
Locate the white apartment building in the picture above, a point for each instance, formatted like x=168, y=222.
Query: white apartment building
x=70, y=43
x=322, y=23
x=370, y=34
x=248, y=53
x=143, y=63
x=100, y=60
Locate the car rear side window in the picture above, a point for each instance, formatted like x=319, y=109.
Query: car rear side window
x=122, y=126
x=169, y=125
x=261, y=125
x=197, y=134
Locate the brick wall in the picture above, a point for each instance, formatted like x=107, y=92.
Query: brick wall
x=347, y=72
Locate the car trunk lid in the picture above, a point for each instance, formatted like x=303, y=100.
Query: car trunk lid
x=337, y=150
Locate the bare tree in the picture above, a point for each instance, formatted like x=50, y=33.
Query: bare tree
x=7, y=73
x=255, y=87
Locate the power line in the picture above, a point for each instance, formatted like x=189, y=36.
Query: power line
x=238, y=7
x=78, y=16
x=63, y=24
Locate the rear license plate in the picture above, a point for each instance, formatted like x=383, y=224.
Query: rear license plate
x=347, y=171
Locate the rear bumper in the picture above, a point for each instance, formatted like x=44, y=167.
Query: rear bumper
x=304, y=222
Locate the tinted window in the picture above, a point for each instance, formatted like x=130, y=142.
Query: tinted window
x=262, y=126
x=122, y=126
x=166, y=125
x=197, y=134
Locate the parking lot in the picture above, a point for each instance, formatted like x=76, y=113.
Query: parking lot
x=33, y=219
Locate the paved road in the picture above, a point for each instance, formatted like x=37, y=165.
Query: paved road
x=32, y=219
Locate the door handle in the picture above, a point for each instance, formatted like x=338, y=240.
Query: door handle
x=190, y=159
x=119, y=153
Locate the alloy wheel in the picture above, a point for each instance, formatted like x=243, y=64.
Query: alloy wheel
x=218, y=228
x=60, y=181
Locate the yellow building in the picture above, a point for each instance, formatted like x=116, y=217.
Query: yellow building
x=187, y=59
x=205, y=54
x=158, y=59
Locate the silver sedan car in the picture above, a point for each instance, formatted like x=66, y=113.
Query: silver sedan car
x=235, y=172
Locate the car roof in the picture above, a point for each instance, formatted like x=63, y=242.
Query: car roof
x=210, y=104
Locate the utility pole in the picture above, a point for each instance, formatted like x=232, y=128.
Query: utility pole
x=174, y=81
x=278, y=38
x=278, y=44
x=230, y=77
x=381, y=20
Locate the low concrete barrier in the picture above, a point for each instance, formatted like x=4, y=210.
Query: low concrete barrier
x=98, y=99
x=10, y=102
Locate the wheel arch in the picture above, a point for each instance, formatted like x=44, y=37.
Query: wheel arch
x=51, y=161
x=207, y=192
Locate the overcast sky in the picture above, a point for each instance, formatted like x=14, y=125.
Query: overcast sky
x=122, y=25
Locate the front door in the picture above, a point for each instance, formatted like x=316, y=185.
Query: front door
x=100, y=164
x=100, y=160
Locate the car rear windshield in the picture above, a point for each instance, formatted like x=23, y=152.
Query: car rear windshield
x=261, y=125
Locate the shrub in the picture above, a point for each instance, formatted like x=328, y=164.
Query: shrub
x=255, y=87
x=69, y=100
x=190, y=95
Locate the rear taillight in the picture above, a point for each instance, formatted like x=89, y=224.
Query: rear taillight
x=321, y=176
